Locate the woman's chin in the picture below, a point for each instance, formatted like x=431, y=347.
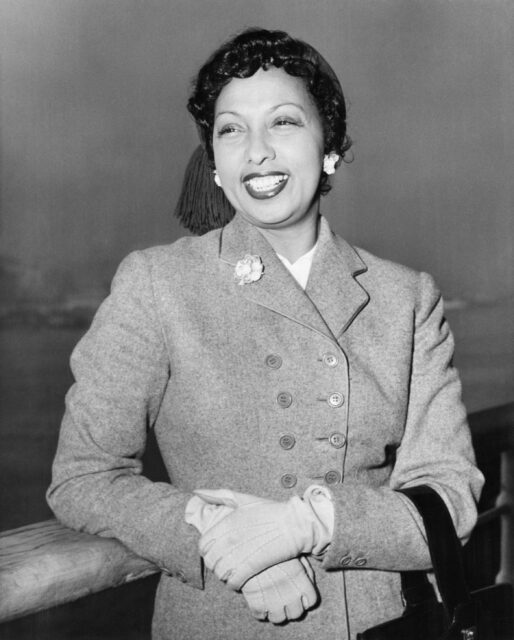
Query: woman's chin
x=272, y=219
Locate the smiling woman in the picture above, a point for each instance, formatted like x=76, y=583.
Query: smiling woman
x=296, y=385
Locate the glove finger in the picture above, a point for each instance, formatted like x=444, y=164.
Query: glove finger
x=254, y=594
x=277, y=615
x=295, y=609
x=260, y=615
x=219, y=567
x=309, y=599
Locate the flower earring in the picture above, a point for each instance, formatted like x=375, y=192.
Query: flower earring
x=217, y=178
x=329, y=163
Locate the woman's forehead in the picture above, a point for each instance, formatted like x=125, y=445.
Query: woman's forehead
x=265, y=90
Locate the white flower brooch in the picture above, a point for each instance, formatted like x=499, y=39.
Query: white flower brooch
x=248, y=270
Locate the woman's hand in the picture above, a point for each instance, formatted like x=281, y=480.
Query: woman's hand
x=257, y=534
x=282, y=592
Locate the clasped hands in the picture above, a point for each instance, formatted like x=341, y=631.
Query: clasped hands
x=256, y=545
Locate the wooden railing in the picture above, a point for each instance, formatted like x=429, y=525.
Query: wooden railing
x=45, y=564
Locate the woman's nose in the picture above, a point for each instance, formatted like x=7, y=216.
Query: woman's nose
x=259, y=148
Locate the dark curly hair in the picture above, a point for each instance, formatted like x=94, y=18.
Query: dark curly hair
x=255, y=49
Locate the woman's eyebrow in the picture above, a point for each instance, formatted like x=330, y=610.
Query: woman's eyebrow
x=288, y=104
x=224, y=113
x=270, y=110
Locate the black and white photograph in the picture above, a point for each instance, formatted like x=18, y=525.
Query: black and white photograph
x=256, y=320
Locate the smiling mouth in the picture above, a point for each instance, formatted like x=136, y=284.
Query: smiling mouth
x=263, y=186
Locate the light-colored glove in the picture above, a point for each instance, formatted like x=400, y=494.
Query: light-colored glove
x=203, y=515
x=282, y=592
x=258, y=534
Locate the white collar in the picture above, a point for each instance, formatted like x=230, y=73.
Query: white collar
x=301, y=268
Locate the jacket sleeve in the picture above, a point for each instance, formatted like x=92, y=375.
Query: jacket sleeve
x=378, y=527
x=121, y=370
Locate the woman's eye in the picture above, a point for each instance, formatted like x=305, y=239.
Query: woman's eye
x=227, y=130
x=285, y=122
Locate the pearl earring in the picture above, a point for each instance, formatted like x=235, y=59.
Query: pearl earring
x=217, y=178
x=329, y=163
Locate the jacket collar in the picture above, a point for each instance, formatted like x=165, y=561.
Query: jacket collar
x=333, y=286
x=332, y=299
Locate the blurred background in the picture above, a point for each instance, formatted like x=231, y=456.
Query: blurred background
x=94, y=140
x=95, y=137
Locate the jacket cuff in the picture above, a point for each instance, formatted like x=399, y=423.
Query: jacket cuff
x=185, y=567
x=375, y=528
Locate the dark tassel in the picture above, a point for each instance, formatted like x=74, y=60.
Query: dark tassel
x=202, y=205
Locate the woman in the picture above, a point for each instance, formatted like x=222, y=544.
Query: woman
x=295, y=385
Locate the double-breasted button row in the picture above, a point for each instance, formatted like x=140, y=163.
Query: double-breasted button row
x=334, y=400
x=347, y=560
x=336, y=440
x=274, y=361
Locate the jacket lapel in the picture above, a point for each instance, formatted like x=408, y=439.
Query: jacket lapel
x=327, y=308
x=332, y=284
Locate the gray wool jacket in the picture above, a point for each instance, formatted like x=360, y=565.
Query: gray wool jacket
x=356, y=371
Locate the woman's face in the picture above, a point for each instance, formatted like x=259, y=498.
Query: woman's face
x=268, y=148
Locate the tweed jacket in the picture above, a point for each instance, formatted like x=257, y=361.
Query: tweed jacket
x=266, y=389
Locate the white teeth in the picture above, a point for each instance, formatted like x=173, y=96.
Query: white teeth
x=265, y=183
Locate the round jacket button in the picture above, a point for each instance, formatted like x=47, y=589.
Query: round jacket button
x=335, y=399
x=332, y=477
x=287, y=441
x=337, y=440
x=330, y=360
x=273, y=361
x=284, y=399
x=288, y=480
x=345, y=561
x=360, y=562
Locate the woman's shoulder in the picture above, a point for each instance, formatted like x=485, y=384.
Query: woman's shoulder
x=394, y=278
x=379, y=264
x=186, y=253
x=184, y=248
x=372, y=269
